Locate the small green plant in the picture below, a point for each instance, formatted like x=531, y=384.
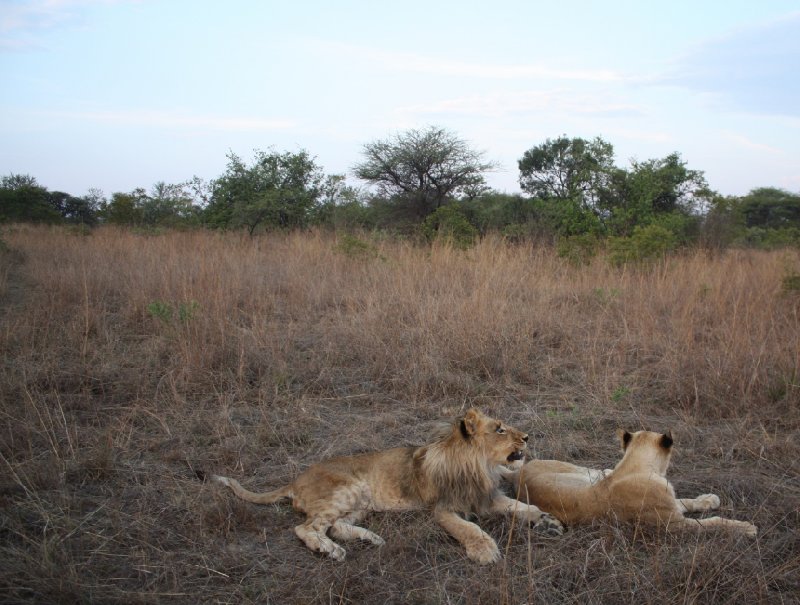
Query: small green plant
x=620, y=393
x=186, y=311
x=791, y=282
x=164, y=311
x=160, y=310
x=353, y=247
x=578, y=249
x=606, y=296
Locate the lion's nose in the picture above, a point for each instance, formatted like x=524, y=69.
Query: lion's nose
x=525, y=438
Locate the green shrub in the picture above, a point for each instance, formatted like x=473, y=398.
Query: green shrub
x=645, y=245
x=791, y=281
x=449, y=224
x=160, y=310
x=351, y=246
x=578, y=249
x=164, y=311
x=770, y=239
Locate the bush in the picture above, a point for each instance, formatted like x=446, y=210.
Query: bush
x=645, y=245
x=578, y=249
x=770, y=239
x=449, y=224
x=351, y=246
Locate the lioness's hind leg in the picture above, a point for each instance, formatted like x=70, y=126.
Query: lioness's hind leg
x=347, y=531
x=312, y=532
x=740, y=527
x=700, y=504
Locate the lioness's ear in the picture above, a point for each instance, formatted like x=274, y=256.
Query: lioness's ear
x=624, y=438
x=469, y=424
x=666, y=440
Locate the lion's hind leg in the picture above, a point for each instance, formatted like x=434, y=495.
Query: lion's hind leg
x=345, y=530
x=702, y=503
x=336, y=513
x=314, y=534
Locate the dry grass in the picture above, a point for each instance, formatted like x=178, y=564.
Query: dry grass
x=263, y=355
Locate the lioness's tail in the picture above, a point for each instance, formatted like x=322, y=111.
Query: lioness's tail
x=246, y=494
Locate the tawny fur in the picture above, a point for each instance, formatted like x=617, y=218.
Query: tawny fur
x=635, y=490
x=458, y=473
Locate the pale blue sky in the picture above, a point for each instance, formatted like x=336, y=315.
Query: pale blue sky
x=117, y=94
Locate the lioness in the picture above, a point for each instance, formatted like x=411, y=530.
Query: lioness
x=635, y=490
x=457, y=473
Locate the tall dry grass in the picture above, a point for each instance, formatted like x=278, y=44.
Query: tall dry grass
x=130, y=359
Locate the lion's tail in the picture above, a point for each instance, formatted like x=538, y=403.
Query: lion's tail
x=246, y=494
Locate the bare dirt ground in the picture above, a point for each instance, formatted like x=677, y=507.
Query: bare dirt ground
x=130, y=361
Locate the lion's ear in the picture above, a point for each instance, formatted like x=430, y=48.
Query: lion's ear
x=469, y=424
x=666, y=440
x=624, y=438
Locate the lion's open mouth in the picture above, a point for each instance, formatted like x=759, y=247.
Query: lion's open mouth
x=514, y=456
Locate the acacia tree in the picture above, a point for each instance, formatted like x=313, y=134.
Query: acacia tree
x=420, y=170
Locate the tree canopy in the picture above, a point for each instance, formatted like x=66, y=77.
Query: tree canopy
x=430, y=183
x=277, y=189
x=567, y=169
x=421, y=170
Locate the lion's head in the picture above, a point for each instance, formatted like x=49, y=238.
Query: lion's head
x=647, y=448
x=502, y=443
x=462, y=466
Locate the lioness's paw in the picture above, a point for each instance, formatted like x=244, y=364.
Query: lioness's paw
x=483, y=551
x=707, y=501
x=376, y=540
x=337, y=553
x=748, y=529
x=549, y=525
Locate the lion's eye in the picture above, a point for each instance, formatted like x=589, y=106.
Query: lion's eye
x=500, y=430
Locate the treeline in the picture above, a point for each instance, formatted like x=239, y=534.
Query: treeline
x=429, y=183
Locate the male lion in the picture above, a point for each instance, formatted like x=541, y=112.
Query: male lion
x=635, y=490
x=458, y=473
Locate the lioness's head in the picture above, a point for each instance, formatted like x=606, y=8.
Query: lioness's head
x=647, y=446
x=502, y=444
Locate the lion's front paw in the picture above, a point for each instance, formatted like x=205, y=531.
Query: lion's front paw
x=483, y=551
x=549, y=525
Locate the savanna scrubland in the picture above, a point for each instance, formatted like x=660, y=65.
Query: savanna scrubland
x=131, y=360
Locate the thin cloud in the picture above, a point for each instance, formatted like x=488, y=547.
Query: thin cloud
x=415, y=63
x=752, y=69
x=162, y=119
x=21, y=21
x=743, y=141
x=511, y=103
